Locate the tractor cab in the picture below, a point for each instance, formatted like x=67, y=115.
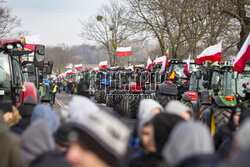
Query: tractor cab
x=12, y=80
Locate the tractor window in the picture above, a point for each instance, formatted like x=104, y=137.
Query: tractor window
x=5, y=79
x=228, y=85
x=215, y=77
x=242, y=79
x=178, y=68
x=17, y=76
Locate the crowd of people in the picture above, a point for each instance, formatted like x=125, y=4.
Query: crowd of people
x=34, y=136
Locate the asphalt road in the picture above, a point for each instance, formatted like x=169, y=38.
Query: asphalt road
x=63, y=99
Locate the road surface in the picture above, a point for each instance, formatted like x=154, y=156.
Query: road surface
x=63, y=99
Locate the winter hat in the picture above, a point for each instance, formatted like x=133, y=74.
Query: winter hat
x=61, y=135
x=45, y=112
x=242, y=136
x=98, y=131
x=186, y=140
x=36, y=140
x=79, y=107
x=146, y=114
x=163, y=124
x=178, y=108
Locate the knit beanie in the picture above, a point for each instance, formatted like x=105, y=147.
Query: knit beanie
x=98, y=131
x=178, y=108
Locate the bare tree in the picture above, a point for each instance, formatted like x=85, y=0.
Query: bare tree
x=60, y=55
x=238, y=9
x=107, y=28
x=9, y=24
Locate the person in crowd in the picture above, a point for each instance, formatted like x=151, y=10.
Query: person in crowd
x=241, y=140
x=162, y=123
x=54, y=91
x=226, y=131
x=45, y=112
x=224, y=135
x=189, y=144
x=97, y=138
x=11, y=116
x=10, y=153
x=59, y=83
x=61, y=137
x=38, y=148
x=178, y=108
x=26, y=111
x=148, y=108
x=10, y=113
x=80, y=87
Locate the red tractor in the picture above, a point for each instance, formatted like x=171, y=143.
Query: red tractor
x=13, y=85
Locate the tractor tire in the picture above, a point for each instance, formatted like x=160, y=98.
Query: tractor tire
x=109, y=101
x=164, y=99
x=99, y=98
x=202, y=108
x=132, y=105
x=221, y=115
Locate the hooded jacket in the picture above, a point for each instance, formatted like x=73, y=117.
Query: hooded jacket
x=145, y=114
x=188, y=139
x=45, y=113
x=26, y=113
x=163, y=124
x=35, y=141
x=10, y=153
x=178, y=108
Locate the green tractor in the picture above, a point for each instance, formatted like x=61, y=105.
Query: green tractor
x=227, y=93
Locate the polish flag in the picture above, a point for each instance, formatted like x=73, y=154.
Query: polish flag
x=69, y=72
x=103, y=64
x=96, y=69
x=164, y=64
x=243, y=56
x=159, y=60
x=186, y=69
x=212, y=53
x=78, y=67
x=123, y=51
x=149, y=64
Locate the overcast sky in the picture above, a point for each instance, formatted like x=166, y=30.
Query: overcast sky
x=56, y=21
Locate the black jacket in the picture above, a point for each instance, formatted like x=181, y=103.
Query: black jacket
x=146, y=160
x=50, y=159
x=199, y=161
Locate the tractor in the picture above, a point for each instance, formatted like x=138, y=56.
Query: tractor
x=176, y=82
x=13, y=86
x=228, y=93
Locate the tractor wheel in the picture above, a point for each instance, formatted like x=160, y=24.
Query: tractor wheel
x=202, y=108
x=99, y=98
x=109, y=101
x=221, y=115
x=164, y=99
x=132, y=107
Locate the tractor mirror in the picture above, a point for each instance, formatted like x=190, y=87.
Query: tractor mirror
x=49, y=67
x=39, y=56
x=198, y=75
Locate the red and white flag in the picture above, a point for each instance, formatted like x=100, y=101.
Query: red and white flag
x=243, y=56
x=123, y=51
x=164, y=64
x=212, y=53
x=103, y=64
x=149, y=64
x=186, y=69
x=78, y=66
